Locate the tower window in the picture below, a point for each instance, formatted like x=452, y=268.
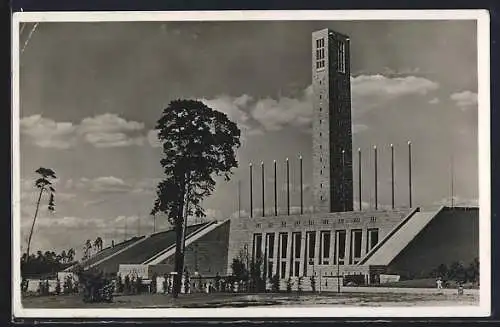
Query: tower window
x=341, y=56
x=320, y=54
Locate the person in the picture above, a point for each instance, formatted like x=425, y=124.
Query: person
x=439, y=283
x=460, y=288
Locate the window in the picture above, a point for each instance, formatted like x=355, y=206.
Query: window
x=321, y=197
x=372, y=239
x=320, y=53
x=325, y=221
x=341, y=56
x=283, y=244
x=325, y=247
x=297, y=238
x=355, y=246
x=340, y=237
x=320, y=184
x=283, y=224
x=296, y=269
x=257, y=246
x=297, y=223
x=270, y=245
x=283, y=269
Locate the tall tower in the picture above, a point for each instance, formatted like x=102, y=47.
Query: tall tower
x=332, y=137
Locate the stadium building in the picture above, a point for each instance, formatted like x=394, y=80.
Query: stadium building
x=333, y=240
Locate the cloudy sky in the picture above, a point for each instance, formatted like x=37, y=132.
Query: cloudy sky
x=92, y=92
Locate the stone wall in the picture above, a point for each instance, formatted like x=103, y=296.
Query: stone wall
x=243, y=229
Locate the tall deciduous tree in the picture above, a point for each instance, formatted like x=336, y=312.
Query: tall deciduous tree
x=199, y=144
x=44, y=184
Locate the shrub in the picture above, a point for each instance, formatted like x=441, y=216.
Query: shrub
x=138, y=285
x=68, y=285
x=217, y=282
x=313, y=283
x=24, y=285
x=289, y=285
x=299, y=284
x=275, y=283
x=126, y=285
x=58, y=287
x=96, y=288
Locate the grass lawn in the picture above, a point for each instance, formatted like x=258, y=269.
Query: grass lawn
x=217, y=300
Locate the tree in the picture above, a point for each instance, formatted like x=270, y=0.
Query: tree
x=239, y=269
x=98, y=243
x=64, y=256
x=44, y=184
x=86, y=249
x=199, y=144
x=71, y=255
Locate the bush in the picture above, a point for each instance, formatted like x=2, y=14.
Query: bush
x=96, y=287
x=58, y=287
x=355, y=280
x=127, y=285
x=313, y=283
x=299, y=284
x=217, y=282
x=275, y=284
x=289, y=284
x=68, y=285
x=24, y=285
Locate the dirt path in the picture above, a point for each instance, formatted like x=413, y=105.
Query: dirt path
x=247, y=300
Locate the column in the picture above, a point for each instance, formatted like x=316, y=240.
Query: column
x=276, y=259
x=288, y=254
x=347, y=247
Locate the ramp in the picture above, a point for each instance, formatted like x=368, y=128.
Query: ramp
x=399, y=238
x=192, y=237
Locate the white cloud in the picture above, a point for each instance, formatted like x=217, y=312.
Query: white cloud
x=434, y=101
x=274, y=114
x=153, y=138
x=47, y=133
x=112, y=184
x=108, y=140
x=368, y=91
x=465, y=100
x=102, y=131
x=108, y=123
x=379, y=85
x=358, y=128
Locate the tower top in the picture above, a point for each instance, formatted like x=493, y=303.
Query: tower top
x=328, y=31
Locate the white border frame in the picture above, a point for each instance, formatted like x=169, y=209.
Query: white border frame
x=483, y=45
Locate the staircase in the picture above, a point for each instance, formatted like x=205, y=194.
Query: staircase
x=399, y=238
x=169, y=251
